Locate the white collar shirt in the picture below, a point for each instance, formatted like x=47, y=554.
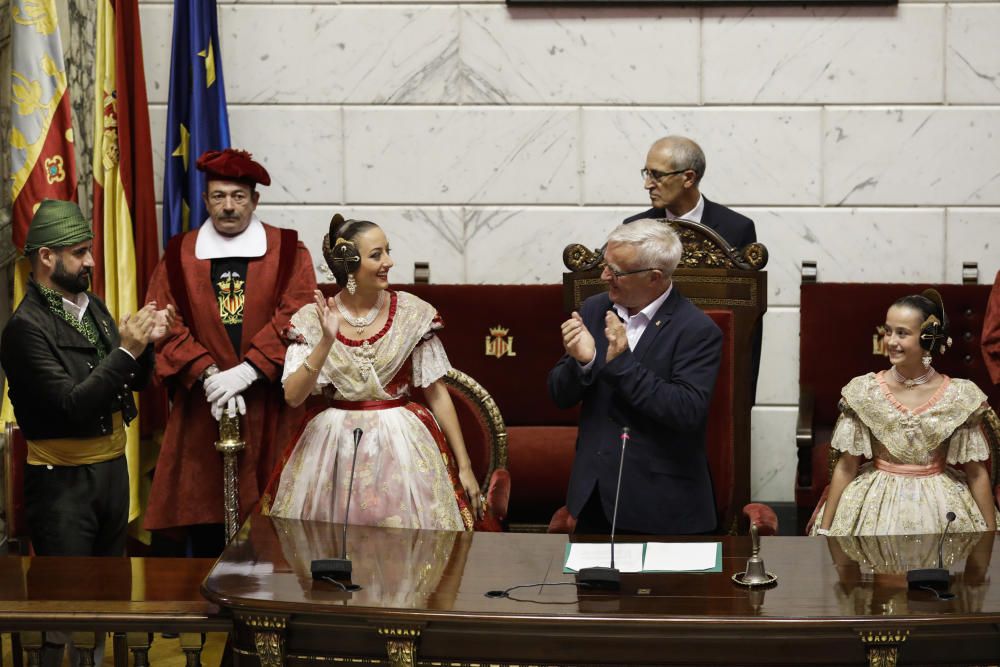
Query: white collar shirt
x=693, y=215
x=635, y=325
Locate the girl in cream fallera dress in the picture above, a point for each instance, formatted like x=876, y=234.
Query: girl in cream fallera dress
x=912, y=424
x=908, y=487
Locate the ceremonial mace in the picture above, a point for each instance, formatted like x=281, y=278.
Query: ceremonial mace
x=229, y=445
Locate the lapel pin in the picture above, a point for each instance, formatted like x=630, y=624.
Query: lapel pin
x=657, y=322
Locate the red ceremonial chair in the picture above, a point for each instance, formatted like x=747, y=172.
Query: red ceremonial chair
x=731, y=287
x=15, y=453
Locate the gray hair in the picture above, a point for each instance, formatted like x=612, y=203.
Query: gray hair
x=657, y=243
x=685, y=154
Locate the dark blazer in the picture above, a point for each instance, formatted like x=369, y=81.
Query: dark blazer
x=58, y=387
x=738, y=230
x=661, y=391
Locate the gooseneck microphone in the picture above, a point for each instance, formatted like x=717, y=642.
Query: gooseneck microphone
x=608, y=578
x=934, y=578
x=340, y=568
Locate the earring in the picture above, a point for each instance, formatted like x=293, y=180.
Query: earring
x=926, y=359
x=352, y=286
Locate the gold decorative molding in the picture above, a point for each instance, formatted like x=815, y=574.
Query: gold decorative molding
x=400, y=645
x=476, y=393
x=882, y=646
x=269, y=638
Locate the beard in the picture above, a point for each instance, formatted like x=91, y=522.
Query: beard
x=74, y=284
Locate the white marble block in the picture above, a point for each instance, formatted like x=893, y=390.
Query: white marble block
x=849, y=245
x=449, y=155
x=973, y=235
x=405, y=54
x=157, y=22
x=912, y=156
x=773, y=456
x=796, y=55
x=301, y=148
x=778, y=382
x=754, y=155
x=973, y=59
x=563, y=55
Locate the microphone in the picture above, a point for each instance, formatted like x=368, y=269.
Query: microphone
x=935, y=578
x=340, y=568
x=608, y=578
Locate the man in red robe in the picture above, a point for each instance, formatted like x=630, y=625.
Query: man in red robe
x=991, y=333
x=234, y=283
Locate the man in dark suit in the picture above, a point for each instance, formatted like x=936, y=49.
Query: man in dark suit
x=672, y=175
x=645, y=357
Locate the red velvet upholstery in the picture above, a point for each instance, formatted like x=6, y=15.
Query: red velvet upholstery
x=763, y=516
x=838, y=321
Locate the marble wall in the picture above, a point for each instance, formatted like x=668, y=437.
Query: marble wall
x=485, y=138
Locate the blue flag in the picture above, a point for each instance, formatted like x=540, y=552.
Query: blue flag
x=196, y=113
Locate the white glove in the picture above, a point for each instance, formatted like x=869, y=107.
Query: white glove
x=225, y=384
x=235, y=404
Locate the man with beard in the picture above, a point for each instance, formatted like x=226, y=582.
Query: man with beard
x=236, y=282
x=72, y=372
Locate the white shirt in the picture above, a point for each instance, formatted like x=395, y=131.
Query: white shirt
x=210, y=244
x=79, y=307
x=635, y=325
x=693, y=215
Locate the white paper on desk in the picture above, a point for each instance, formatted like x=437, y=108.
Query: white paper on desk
x=628, y=557
x=680, y=556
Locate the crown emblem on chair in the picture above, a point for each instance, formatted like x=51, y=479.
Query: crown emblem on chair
x=499, y=344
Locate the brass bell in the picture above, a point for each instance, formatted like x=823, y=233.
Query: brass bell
x=755, y=574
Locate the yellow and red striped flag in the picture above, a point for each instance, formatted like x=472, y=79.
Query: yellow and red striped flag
x=125, y=234
x=42, y=162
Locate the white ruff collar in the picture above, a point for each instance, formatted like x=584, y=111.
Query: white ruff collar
x=210, y=244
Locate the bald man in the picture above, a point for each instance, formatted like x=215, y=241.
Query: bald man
x=672, y=175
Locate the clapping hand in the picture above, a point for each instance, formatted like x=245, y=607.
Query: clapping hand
x=614, y=331
x=163, y=320
x=135, y=330
x=329, y=318
x=577, y=341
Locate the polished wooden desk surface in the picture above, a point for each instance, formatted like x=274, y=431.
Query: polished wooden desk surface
x=425, y=591
x=429, y=573
x=120, y=593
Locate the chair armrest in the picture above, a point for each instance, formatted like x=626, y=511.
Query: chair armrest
x=805, y=437
x=763, y=516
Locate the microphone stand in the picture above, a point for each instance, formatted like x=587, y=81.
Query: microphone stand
x=340, y=568
x=935, y=578
x=608, y=578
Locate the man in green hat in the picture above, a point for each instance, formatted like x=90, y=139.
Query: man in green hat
x=72, y=372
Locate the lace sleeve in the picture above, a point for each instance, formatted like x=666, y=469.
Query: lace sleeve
x=850, y=435
x=430, y=362
x=303, y=333
x=968, y=442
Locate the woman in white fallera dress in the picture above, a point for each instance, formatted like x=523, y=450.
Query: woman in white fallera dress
x=363, y=350
x=913, y=423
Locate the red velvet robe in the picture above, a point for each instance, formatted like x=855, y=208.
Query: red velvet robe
x=991, y=333
x=187, y=484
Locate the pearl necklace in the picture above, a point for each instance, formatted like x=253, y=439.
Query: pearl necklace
x=910, y=383
x=361, y=323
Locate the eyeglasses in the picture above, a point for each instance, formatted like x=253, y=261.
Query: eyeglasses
x=657, y=176
x=618, y=274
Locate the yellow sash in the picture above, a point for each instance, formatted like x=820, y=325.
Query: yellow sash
x=79, y=451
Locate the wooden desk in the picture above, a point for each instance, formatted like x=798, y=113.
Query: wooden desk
x=423, y=603
x=131, y=597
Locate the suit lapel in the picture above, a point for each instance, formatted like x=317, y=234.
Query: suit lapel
x=661, y=319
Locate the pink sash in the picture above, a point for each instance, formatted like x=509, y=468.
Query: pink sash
x=935, y=467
